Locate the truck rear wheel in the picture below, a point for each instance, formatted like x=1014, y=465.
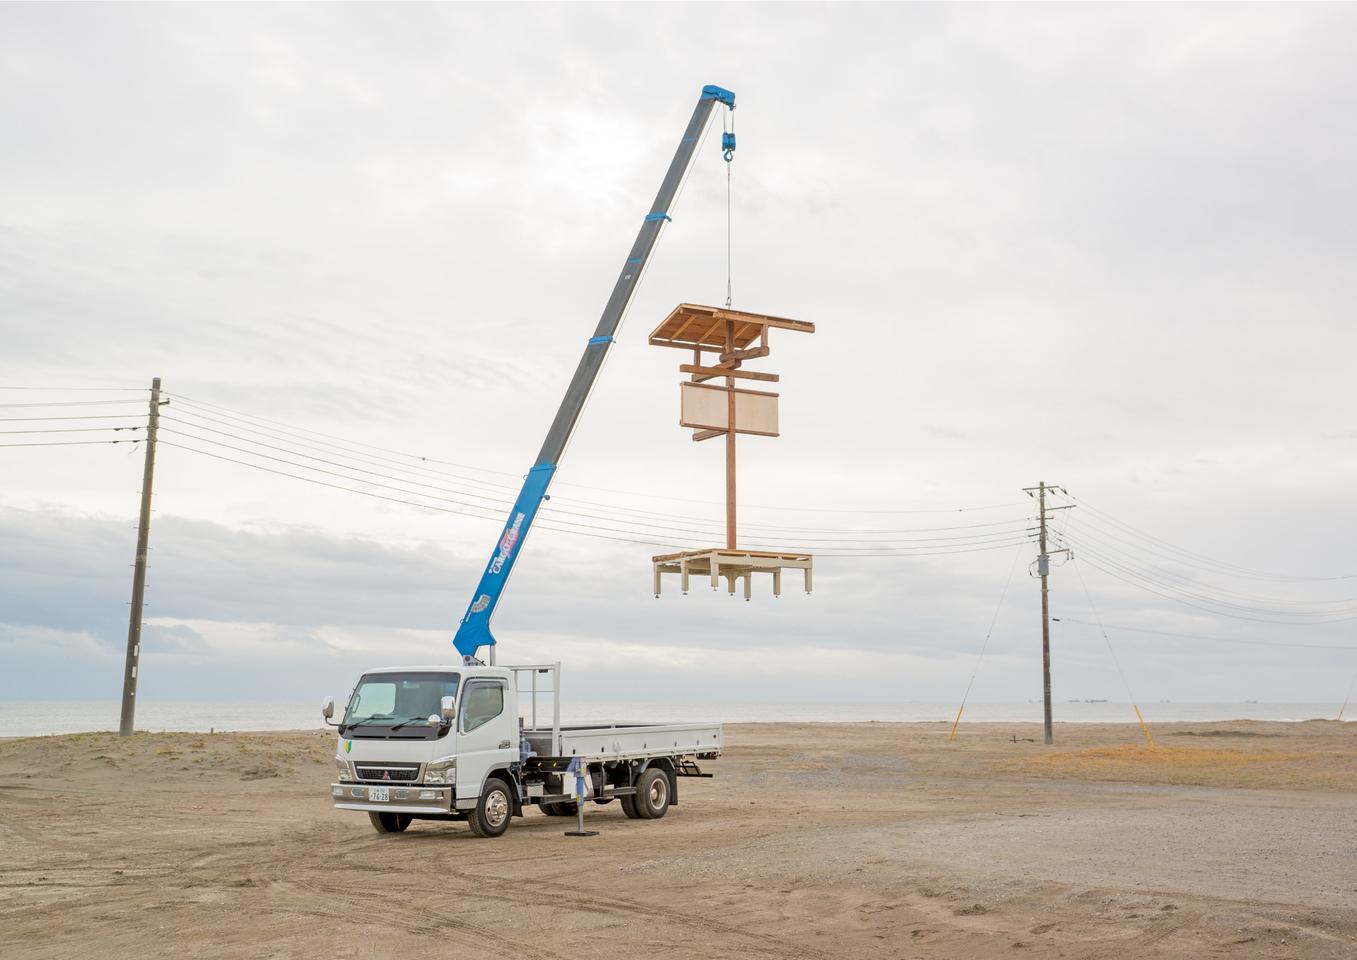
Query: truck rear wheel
x=629, y=807
x=652, y=794
x=389, y=822
x=562, y=808
x=493, y=811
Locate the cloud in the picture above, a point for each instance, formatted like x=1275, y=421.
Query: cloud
x=1108, y=246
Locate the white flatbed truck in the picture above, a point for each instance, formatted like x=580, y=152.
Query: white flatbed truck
x=451, y=743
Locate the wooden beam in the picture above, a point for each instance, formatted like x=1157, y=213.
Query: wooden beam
x=700, y=435
x=749, y=354
x=708, y=372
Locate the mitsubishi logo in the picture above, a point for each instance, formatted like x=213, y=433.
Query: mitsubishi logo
x=386, y=774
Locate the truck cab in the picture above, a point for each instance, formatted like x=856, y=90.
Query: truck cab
x=421, y=740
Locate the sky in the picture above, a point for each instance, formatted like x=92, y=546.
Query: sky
x=1103, y=246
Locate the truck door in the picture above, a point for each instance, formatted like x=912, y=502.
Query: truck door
x=486, y=730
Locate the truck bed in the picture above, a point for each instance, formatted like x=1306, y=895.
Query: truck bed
x=626, y=741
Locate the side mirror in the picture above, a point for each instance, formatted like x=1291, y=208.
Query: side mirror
x=448, y=708
x=327, y=707
x=434, y=720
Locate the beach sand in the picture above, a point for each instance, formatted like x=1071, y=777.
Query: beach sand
x=832, y=840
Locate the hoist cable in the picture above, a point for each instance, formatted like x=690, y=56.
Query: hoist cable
x=729, y=157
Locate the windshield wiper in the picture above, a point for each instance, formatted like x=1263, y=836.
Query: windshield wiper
x=394, y=723
x=407, y=720
x=368, y=721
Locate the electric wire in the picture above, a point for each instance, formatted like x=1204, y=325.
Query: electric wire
x=1226, y=607
x=93, y=416
x=1211, y=610
x=71, y=429
x=1203, y=558
x=1133, y=550
x=685, y=522
x=69, y=443
x=1171, y=577
x=1111, y=652
x=863, y=548
x=985, y=646
x=550, y=525
x=72, y=403
x=95, y=389
x=1286, y=645
x=380, y=496
x=858, y=542
x=280, y=427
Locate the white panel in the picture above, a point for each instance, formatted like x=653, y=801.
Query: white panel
x=707, y=408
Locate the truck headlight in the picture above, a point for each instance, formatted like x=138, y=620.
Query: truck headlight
x=443, y=770
x=343, y=767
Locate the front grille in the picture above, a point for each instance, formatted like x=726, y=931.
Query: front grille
x=387, y=772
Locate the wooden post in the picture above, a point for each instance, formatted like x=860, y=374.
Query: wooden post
x=730, y=443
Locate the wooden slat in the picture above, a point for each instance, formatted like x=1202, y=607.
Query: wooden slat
x=749, y=354
x=700, y=435
x=709, y=372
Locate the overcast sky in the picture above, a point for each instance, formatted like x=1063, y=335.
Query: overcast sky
x=1109, y=247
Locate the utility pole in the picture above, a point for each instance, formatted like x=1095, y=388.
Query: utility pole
x=1043, y=571
x=129, y=705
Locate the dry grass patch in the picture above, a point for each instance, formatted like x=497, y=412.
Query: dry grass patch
x=1139, y=763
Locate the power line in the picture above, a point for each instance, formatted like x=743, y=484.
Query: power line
x=985, y=646
x=1194, y=636
x=95, y=389
x=518, y=476
x=1160, y=574
x=68, y=443
x=988, y=536
x=1142, y=578
x=498, y=519
x=1241, y=571
x=1113, y=653
x=1198, y=606
x=70, y=430
x=92, y=416
x=380, y=496
x=73, y=403
x=686, y=521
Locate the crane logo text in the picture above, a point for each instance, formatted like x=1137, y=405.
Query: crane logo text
x=506, y=544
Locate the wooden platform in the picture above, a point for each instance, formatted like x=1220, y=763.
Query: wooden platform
x=733, y=565
x=694, y=327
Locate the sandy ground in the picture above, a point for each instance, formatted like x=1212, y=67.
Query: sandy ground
x=862, y=840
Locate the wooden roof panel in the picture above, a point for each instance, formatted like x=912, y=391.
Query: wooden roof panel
x=691, y=325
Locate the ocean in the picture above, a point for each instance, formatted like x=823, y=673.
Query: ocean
x=29, y=718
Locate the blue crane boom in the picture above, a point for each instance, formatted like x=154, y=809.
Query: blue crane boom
x=474, y=630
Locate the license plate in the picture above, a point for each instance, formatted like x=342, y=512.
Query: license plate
x=379, y=793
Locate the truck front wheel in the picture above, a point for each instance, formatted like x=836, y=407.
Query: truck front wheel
x=389, y=822
x=652, y=794
x=494, y=810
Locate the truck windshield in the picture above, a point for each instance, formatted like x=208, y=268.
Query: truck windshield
x=384, y=702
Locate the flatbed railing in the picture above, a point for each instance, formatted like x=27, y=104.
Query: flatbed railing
x=534, y=671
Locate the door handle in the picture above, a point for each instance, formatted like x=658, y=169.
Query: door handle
x=505, y=744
